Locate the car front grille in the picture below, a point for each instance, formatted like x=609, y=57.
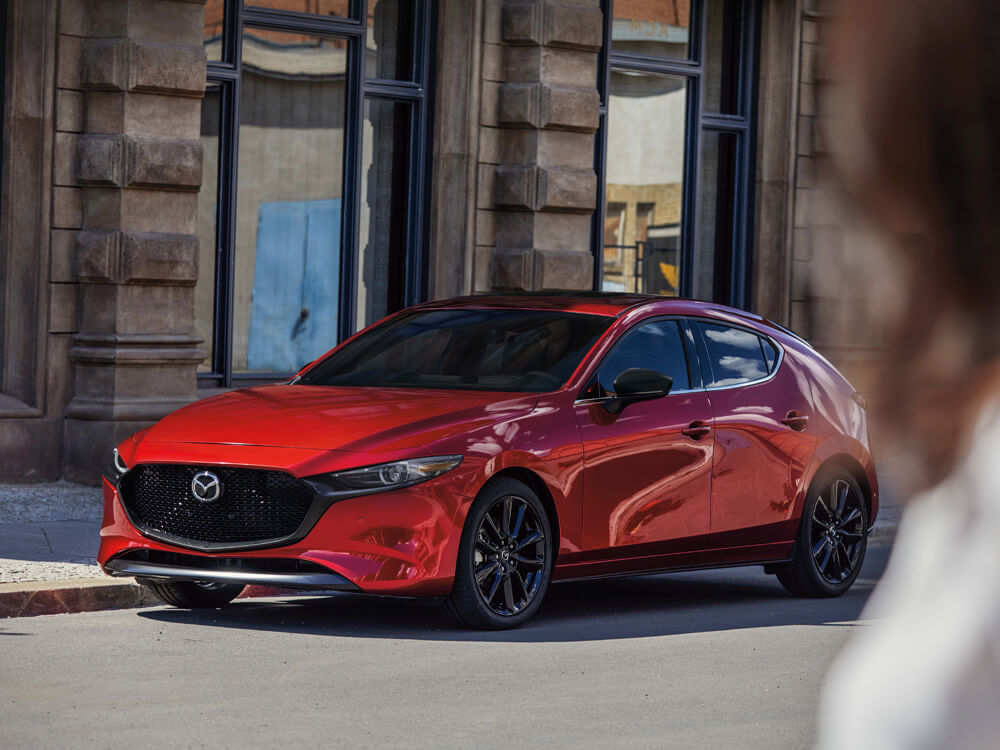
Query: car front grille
x=256, y=507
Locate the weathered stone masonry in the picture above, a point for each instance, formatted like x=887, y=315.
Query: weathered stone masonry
x=545, y=188
x=139, y=158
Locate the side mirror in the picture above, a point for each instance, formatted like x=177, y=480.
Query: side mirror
x=636, y=384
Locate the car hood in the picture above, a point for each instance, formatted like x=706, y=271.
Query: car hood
x=336, y=418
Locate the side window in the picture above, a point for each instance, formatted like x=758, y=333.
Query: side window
x=656, y=345
x=736, y=355
x=770, y=353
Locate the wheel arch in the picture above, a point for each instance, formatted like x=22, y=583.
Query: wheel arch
x=850, y=464
x=536, y=483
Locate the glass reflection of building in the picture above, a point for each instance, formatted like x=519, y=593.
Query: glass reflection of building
x=277, y=287
x=297, y=173
x=676, y=122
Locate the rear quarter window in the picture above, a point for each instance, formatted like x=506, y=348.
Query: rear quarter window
x=736, y=355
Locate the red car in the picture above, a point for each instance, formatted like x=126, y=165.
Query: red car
x=477, y=449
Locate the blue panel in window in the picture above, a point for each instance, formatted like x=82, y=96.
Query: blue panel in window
x=293, y=315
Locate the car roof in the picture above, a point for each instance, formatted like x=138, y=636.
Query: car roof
x=596, y=303
x=611, y=304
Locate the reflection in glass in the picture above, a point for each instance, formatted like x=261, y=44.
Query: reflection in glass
x=340, y=8
x=644, y=180
x=212, y=37
x=722, y=56
x=208, y=222
x=713, y=255
x=649, y=346
x=289, y=191
x=389, y=52
x=736, y=355
x=384, y=171
x=654, y=28
x=484, y=350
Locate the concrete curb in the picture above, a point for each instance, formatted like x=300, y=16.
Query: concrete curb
x=60, y=597
x=33, y=598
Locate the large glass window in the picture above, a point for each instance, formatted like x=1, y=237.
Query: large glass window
x=644, y=182
x=289, y=200
x=312, y=126
x=652, y=28
x=675, y=142
x=384, y=194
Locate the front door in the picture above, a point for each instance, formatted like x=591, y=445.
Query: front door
x=647, y=470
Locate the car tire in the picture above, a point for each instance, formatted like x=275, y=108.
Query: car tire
x=505, y=558
x=832, y=539
x=194, y=594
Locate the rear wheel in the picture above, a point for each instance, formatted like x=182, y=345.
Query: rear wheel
x=832, y=540
x=195, y=594
x=504, y=560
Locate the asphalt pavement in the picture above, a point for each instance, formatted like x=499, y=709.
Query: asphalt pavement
x=714, y=659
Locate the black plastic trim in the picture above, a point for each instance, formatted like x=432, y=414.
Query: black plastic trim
x=120, y=567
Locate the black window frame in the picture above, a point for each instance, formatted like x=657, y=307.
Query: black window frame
x=417, y=92
x=697, y=122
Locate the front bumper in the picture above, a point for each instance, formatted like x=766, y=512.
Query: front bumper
x=395, y=543
x=248, y=574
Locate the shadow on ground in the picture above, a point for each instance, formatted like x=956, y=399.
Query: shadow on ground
x=655, y=605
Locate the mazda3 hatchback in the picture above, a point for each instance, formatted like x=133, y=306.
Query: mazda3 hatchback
x=477, y=449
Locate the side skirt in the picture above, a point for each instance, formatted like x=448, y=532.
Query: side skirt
x=726, y=557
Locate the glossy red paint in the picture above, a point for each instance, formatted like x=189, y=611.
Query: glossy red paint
x=627, y=493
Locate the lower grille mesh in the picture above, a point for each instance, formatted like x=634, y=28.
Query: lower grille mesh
x=255, y=506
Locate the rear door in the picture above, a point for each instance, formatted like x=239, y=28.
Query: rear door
x=647, y=470
x=763, y=436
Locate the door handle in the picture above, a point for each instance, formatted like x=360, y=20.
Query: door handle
x=796, y=420
x=696, y=430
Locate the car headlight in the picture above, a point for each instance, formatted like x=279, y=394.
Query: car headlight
x=390, y=476
x=116, y=470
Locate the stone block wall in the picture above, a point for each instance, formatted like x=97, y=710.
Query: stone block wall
x=134, y=166
x=537, y=187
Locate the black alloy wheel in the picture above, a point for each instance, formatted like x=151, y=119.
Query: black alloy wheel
x=505, y=560
x=837, y=536
x=832, y=540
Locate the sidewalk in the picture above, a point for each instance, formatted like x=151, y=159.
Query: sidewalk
x=49, y=538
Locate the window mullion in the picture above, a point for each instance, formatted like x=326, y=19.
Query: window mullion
x=351, y=191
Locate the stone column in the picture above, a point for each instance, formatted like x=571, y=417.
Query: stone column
x=545, y=187
x=136, y=257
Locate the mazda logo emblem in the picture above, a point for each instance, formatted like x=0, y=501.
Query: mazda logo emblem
x=206, y=487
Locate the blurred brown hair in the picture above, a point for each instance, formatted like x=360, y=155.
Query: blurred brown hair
x=918, y=105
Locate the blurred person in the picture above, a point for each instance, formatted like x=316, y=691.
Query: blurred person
x=917, y=150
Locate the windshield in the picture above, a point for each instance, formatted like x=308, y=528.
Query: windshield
x=528, y=351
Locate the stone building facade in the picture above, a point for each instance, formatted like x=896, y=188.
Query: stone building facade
x=476, y=145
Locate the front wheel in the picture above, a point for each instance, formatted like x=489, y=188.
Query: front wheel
x=504, y=560
x=832, y=539
x=194, y=594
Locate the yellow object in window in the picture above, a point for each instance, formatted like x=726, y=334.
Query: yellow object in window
x=669, y=271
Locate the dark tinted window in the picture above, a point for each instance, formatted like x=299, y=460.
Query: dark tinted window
x=487, y=350
x=651, y=346
x=735, y=354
